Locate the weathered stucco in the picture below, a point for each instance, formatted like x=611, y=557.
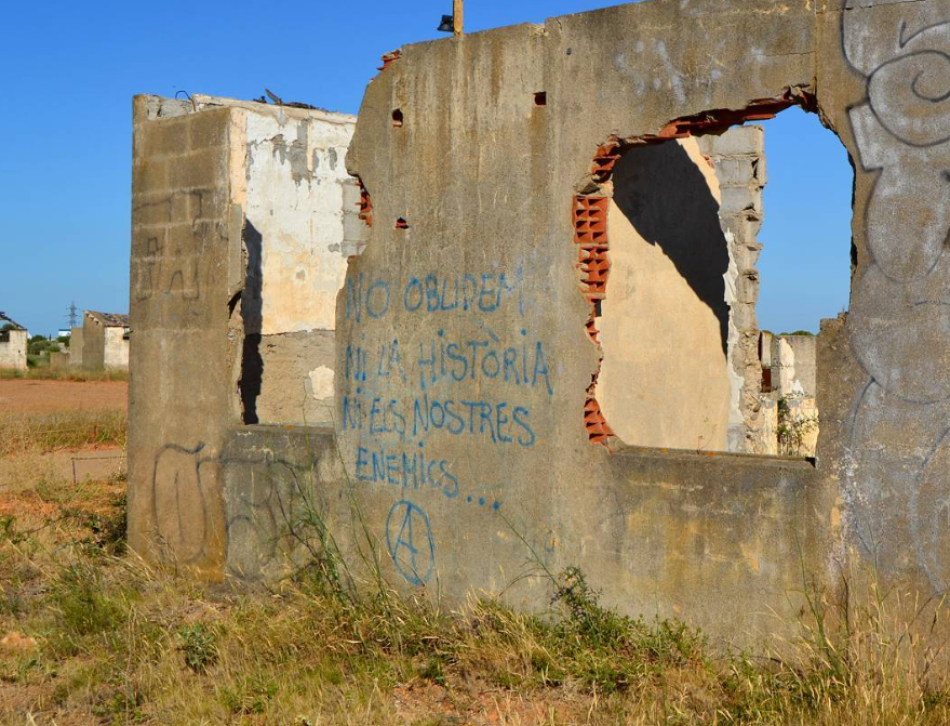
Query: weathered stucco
x=468, y=435
x=294, y=230
x=295, y=178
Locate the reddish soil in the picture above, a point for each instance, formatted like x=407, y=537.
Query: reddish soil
x=38, y=396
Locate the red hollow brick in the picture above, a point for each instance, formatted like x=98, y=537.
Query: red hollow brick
x=590, y=236
x=389, y=59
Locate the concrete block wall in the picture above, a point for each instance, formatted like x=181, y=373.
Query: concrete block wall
x=13, y=351
x=94, y=345
x=738, y=158
x=187, y=268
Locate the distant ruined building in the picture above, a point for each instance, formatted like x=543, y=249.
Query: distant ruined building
x=14, y=339
x=102, y=343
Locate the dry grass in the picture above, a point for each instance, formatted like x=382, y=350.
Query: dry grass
x=104, y=639
x=22, y=433
x=44, y=373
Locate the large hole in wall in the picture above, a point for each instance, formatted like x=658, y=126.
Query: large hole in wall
x=679, y=271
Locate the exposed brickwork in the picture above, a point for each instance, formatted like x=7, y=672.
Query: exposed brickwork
x=590, y=236
x=718, y=120
x=605, y=159
x=389, y=59
x=366, y=205
x=597, y=427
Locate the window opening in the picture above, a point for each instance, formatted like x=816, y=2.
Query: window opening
x=691, y=358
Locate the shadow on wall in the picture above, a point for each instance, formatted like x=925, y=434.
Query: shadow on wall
x=252, y=301
x=667, y=200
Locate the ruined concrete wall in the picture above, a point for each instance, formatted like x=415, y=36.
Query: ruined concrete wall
x=467, y=434
x=491, y=269
x=887, y=94
x=75, y=347
x=93, y=345
x=13, y=351
x=58, y=361
x=793, y=362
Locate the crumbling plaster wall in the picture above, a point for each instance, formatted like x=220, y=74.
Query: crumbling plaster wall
x=461, y=474
x=738, y=159
x=294, y=211
x=238, y=252
x=13, y=351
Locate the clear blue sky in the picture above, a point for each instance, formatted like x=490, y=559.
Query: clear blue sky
x=69, y=71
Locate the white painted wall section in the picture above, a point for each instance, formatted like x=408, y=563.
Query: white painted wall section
x=295, y=182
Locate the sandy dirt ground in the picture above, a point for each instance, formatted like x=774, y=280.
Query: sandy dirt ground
x=26, y=397
x=38, y=396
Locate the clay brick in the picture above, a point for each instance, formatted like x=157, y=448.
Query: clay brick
x=604, y=160
x=365, y=205
x=390, y=58
x=590, y=235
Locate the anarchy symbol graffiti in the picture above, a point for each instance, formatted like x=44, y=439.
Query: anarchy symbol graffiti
x=409, y=537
